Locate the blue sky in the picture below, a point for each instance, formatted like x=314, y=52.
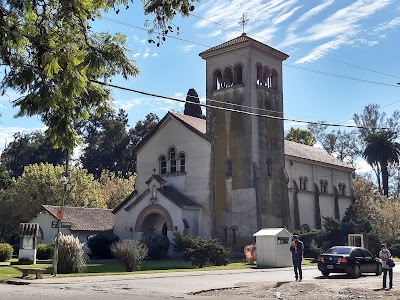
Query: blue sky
x=326, y=36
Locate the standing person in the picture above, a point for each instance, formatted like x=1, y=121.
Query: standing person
x=297, y=249
x=384, y=255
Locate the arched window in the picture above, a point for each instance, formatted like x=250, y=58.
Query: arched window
x=267, y=77
x=259, y=73
x=269, y=167
x=324, y=186
x=238, y=74
x=234, y=232
x=228, y=77
x=342, y=189
x=163, y=165
x=274, y=79
x=228, y=168
x=305, y=228
x=217, y=80
x=225, y=229
x=182, y=162
x=172, y=160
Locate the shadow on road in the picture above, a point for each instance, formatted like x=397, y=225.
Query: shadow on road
x=341, y=276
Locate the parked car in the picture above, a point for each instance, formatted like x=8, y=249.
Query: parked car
x=350, y=260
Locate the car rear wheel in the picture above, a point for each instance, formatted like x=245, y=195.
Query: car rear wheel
x=325, y=273
x=355, y=272
x=379, y=270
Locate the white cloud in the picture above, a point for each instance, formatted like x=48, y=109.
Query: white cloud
x=188, y=48
x=363, y=167
x=388, y=25
x=7, y=133
x=155, y=54
x=145, y=55
x=284, y=17
x=179, y=95
x=341, y=28
x=137, y=54
x=127, y=105
x=312, y=12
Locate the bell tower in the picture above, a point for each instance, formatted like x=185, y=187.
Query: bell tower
x=248, y=182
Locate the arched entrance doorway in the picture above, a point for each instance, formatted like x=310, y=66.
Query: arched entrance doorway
x=154, y=219
x=154, y=224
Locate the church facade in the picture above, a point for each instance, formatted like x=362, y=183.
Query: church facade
x=232, y=174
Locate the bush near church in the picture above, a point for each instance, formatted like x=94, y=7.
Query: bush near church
x=6, y=251
x=71, y=257
x=200, y=251
x=395, y=250
x=130, y=253
x=158, y=245
x=44, y=251
x=100, y=244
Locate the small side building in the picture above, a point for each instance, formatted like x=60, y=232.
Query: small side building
x=273, y=247
x=84, y=222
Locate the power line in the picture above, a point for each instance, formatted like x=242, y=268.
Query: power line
x=291, y=66
x=230, y=109
x=300, y=50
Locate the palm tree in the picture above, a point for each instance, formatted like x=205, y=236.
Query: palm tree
x=381, y=150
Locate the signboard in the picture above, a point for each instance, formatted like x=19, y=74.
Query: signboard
x=66, y=225
x=60, y=214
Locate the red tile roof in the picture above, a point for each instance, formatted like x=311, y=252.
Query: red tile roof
x=85, y=219
x=196, y=123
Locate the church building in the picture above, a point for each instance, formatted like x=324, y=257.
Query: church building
x=233, y=173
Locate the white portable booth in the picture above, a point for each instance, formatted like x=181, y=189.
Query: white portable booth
x=273, y=247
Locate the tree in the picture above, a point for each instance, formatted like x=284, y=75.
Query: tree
x=109, y=144
x=28, y=149
x=341, y=144
x=193, y=109
x=370, y=120
x=381, y=150
x=115, y=188
x=52, y=57
x=301, y=136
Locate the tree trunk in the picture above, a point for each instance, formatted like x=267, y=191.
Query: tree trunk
x=385, y=178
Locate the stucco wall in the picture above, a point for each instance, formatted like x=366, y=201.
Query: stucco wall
x=44, y=219
x=195, y=184
x=126, y=220
x=314, y=172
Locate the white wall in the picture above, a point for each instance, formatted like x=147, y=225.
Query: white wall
x=44, y=219
x=195, y=184
x=296, y=167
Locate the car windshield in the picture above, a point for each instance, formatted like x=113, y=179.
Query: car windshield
x=337, y=250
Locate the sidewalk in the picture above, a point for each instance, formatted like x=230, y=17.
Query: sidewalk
x=108, y=278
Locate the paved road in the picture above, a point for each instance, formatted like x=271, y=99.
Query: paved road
x=148, y=286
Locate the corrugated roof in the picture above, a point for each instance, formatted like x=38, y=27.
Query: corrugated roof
x=177, y=197
x=196, y=123
x=85, y=219
x=312, y=153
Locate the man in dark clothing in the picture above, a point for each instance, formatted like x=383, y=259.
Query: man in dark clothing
x=297, y=249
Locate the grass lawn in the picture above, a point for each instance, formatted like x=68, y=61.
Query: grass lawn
x=113, y=267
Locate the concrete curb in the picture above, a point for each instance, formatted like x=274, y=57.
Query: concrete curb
x=108, y=278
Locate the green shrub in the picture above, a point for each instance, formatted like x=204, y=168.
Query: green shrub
x=100, y=244
x=312, y=251
x=71, y=257
x=158, y=245
x=6, y=251
x=395, y=250
x=130, y=253
x=44, y=251
x=199, y=251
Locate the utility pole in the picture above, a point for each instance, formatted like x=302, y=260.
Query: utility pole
x=60, y=212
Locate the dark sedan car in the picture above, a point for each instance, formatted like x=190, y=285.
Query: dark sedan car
x=350, y=260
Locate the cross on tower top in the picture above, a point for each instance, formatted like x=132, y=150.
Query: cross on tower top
x=243, y=21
